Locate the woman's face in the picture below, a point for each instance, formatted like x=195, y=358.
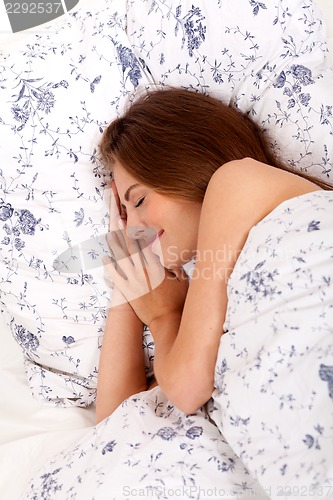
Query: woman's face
x=174, y=220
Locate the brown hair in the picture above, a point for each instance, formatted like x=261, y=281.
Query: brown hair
x=174, y=140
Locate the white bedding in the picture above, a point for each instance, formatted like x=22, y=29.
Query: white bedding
x=31, y=432
x=272, y=374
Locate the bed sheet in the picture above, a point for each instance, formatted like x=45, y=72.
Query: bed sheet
x=32, y=432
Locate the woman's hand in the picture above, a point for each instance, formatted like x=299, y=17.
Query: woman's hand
x=116, y=224
x=164, y=301
x=117, y=215
x=151, y=290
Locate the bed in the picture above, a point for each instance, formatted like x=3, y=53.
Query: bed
x=60, y=85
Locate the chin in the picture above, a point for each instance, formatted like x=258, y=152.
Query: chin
x=171, y=267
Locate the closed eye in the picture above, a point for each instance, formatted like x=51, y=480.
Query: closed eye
x=139, y=202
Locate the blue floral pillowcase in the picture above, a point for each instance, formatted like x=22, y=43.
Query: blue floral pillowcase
x=62, y=85
x=267, y=58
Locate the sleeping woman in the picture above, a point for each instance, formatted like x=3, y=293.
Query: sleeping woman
x=203, y=176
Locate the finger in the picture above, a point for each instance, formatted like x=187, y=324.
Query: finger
x=128, y=265
x=132, y=287
x=121, y=236
x=141, y=264
x=114, y=212
x=115, y=192
x=153, y=269
x=122, y=221
x=132, y=243
x=149, y=255
x=113, y=272
x=117, y=243
x=144, y=277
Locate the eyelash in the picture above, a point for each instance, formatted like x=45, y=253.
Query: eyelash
x=140, y=202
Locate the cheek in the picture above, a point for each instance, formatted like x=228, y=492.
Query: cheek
x=175, y=252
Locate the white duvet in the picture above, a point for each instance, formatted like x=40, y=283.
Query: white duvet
x=267, y=432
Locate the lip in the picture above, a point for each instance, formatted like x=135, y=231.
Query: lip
x=155, y=244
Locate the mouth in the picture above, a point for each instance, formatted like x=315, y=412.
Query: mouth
x=155, y=246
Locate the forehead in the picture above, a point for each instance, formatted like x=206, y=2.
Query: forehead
x=122, y=178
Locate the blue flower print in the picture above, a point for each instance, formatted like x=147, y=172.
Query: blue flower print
x=325, y=113
x=26, y=339
x=21, y=114
x=194, y=432
x=326, y=374
x=193, y=28
x=27, y=222
x=45, y=101
x=109, y=447
x=291, y=103
x=68, y=340
x=32, y=98
x=302, y=74
x=314, y=225
x=49, y=484
x=6, y=211
x=309, y=441
x=256, y=6
x=261, y=282
x=95, y=82
x=280, y=81
x=166, y=433
x=19, y=244
x=72, y=281
x=305, y=99
x=225, y=466
x=79, y=217
x=129, y=61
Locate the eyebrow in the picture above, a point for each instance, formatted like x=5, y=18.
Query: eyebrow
x=127, y=193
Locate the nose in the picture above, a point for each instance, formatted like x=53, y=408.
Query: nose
x=135, y=227
x=134, y=219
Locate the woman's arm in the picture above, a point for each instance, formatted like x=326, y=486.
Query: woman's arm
x=186, y=345
x=121, y=371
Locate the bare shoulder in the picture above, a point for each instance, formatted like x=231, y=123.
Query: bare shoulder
x=235, y=200
x=241, y=184
x=255, y=186
x=245, y=174
x=239, y=195
x=246, y=166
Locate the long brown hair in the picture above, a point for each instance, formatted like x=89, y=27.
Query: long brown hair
x=174, y=140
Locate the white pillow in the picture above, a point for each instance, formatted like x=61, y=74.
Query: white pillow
x=267, y=58
x=60, y=86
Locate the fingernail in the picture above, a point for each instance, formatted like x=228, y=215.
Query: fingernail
x=121, y=224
